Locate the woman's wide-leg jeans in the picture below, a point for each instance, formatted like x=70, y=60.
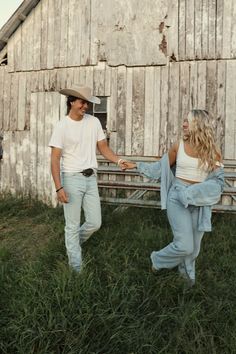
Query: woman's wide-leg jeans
x=185, y=247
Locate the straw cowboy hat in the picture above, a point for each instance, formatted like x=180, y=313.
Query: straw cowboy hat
x=81, y=92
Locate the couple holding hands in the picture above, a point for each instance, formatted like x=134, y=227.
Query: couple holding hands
x=191, y=175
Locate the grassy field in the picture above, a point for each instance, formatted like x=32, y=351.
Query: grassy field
x=116, y=305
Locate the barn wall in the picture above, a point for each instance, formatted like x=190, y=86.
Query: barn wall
x=65, y=33
x=154, y=63
x=146, y=104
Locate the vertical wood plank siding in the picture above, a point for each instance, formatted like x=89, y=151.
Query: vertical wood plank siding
x=65, y=42
x=69, y=33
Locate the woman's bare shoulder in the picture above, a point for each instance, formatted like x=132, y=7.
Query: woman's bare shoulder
x=175, y=145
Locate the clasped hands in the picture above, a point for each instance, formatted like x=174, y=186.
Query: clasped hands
x=124, y=164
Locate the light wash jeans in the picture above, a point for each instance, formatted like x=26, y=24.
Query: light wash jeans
x=185, y=247
x=82, y=192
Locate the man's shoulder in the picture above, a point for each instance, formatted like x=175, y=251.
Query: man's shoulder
x=61, y=122
x=92, y=118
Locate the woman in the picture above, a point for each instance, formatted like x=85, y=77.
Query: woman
x=198, y=184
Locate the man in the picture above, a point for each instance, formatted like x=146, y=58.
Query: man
x=74, y=165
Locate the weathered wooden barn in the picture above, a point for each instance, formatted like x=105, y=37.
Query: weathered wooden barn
x=150, y=61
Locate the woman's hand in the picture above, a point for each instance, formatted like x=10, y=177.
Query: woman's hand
x=128, y=165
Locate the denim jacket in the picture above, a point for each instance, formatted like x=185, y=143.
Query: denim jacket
x=204, y=194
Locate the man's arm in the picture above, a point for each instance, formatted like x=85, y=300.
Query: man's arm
x=108, y=153
x=55, y=169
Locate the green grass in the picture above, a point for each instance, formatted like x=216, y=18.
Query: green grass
x=115, y=305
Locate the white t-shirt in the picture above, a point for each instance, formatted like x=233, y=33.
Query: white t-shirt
x=78, y=141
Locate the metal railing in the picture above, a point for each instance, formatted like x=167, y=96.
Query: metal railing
x=141, y=192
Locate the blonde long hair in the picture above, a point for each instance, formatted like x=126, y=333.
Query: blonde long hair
x=201, y=138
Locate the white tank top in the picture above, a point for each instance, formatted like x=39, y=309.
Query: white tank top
x=187, y=166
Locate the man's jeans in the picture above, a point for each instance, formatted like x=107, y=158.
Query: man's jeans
x=82, y=192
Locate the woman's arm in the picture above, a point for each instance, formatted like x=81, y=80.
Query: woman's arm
x=172, y=153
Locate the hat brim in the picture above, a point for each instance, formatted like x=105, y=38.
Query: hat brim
x=70, y=92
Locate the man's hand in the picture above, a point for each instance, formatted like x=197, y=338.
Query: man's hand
x=62, y=196
x=120, y=163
